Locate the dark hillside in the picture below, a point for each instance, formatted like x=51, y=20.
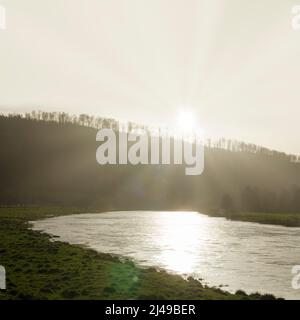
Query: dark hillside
x=51, y=163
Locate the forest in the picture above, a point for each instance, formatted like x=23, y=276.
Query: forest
x=49, y=159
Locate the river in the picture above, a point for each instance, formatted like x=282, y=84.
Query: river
x=239, y=255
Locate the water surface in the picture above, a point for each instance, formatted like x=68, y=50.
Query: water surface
x=240, y=255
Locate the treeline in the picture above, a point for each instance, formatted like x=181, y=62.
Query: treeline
x=50, y=159
x=101, y=122
x=256, y=199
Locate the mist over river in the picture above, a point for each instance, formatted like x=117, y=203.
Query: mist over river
x=239, y=255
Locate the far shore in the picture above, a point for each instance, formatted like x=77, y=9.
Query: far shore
x=282, y=219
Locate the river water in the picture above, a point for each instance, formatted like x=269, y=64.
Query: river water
x=239, y=255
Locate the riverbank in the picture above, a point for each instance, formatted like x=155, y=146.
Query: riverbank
x=39, y=268
x=282, y=219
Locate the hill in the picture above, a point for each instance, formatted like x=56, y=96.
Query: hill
x=53, y=163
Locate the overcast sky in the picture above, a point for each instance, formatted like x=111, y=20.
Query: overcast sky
x=234, y=63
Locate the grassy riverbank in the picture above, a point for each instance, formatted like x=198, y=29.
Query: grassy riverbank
x=283, y=219
x=38, y=268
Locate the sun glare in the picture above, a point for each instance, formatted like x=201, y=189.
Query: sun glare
x=186, y=120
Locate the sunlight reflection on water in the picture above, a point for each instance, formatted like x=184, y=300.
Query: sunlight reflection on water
x=240, y=255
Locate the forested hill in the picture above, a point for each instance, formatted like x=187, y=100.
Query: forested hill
x=47, y=162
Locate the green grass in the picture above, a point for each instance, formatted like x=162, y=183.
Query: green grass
x=283, y=219
x=39, y=268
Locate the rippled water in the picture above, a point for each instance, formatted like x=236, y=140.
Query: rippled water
x=240, y=255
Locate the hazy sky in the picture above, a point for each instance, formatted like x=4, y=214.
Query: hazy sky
x=234, y=63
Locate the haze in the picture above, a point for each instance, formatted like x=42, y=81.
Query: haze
x=234, y=64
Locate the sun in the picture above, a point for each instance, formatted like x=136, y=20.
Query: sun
x=186, y=120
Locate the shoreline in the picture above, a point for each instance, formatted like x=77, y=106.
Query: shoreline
x=290, y=220
x=40, y=268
